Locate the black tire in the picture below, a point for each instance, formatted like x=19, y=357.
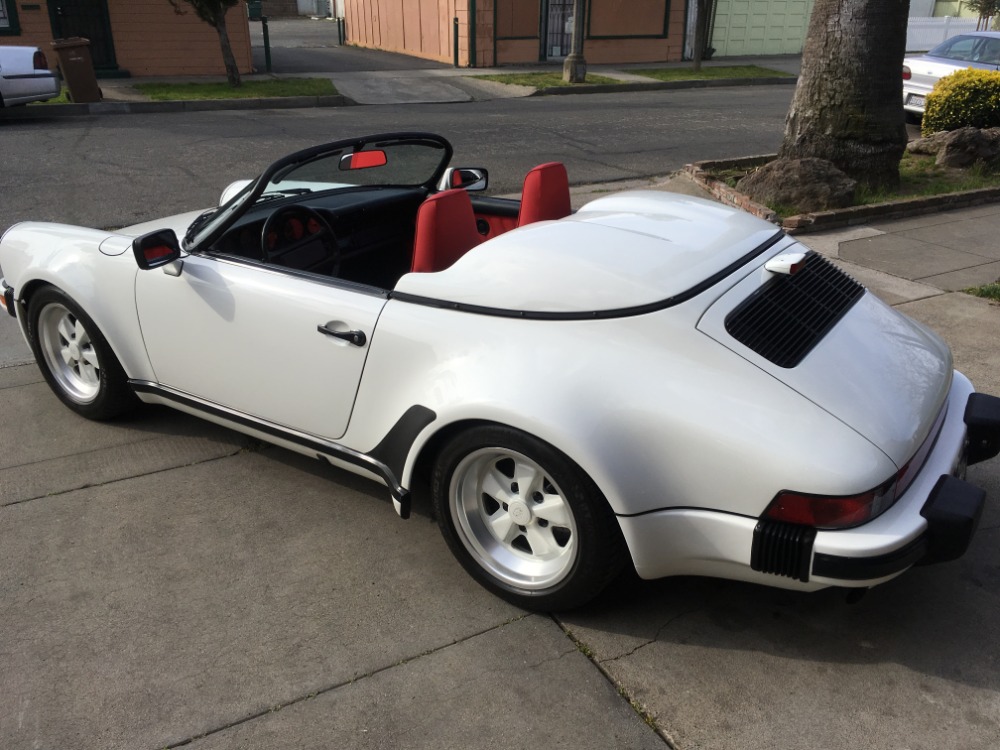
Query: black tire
x=76, y=360
x=561, y=544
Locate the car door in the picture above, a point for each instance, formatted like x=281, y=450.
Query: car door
x=259, y=340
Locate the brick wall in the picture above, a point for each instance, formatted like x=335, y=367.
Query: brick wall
x=150, y=38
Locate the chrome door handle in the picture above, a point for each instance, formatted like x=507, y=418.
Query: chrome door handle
x=357, y=338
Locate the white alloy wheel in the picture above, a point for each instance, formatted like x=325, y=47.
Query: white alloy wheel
x=69, y=353
x=513, y=519
x=76, y=360
x=523, y=519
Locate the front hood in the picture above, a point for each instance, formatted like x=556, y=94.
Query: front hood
x=179, y=223
x=622, y=251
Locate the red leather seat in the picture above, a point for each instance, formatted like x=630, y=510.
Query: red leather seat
x=446, y=230
x=545, y=195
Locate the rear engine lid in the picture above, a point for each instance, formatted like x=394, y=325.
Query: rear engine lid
x=819, y=332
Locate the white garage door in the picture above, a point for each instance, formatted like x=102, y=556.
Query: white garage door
x=760, y=27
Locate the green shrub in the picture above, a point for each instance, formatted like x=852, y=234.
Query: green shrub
x=966, y=97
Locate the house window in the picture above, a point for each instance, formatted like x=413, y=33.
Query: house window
x=8, y=17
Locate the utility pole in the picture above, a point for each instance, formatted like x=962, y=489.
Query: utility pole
x=575, y=67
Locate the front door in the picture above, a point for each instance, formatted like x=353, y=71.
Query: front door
x=89, y=19
x=559, y=34
x=246, y=337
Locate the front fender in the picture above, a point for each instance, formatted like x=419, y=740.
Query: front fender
x=68, y=257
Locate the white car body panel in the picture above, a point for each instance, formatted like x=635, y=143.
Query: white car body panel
x=20, y=81
x=703, y=542
x=671, y=246
x=243, y=326
x=481, y=371
x=906, y=353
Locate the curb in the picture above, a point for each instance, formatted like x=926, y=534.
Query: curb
x=188, y=105
x=818, y=221
x=628, y=86
x=338, y=100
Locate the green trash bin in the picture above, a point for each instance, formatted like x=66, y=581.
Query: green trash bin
x=255, y=10
x=77, y=69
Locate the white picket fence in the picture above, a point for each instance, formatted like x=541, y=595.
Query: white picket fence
x=923, y=34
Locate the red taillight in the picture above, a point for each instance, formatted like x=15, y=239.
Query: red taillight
x=39, y=62
x=831, y=512
x=844, y=511
x=907, y=75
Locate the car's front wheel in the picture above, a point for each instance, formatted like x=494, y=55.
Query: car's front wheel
x=74, y=357
x=525, y=520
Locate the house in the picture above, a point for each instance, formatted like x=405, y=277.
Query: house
x=511, y=32
x=129, y=37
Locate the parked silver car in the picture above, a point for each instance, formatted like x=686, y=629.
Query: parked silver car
x=977, y=49
x=25, y=76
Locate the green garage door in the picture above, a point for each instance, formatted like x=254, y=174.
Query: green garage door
x=760, y=27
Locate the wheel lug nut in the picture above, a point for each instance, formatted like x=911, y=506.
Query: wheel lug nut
x=513, y=486
x=537, y=497
x=542, y=522
x=522, y=528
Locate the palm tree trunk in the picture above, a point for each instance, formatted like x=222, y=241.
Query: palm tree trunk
x=848, y=105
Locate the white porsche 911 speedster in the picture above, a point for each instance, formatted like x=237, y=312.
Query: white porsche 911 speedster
x=653, y=380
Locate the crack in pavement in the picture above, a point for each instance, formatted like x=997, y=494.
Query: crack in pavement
x=235, y=452
x=343, y=683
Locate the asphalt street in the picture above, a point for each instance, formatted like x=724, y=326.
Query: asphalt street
x=113, y=171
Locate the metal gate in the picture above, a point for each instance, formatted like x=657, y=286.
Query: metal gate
x=559, y=34
x=89, y=19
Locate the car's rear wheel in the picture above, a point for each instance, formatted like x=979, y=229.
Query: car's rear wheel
x=75, y=358
x=525, y=520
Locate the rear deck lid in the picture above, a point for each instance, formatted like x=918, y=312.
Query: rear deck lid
x=881, y=373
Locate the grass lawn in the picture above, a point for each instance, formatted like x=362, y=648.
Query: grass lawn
x=544, y=80
x=989, y=291
x=729, y=71
x=165, y=92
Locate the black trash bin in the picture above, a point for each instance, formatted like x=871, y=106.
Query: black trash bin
x=77, y=69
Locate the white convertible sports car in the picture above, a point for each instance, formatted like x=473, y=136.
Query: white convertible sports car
x=654, y=380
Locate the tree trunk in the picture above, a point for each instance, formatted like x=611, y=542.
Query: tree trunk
x=232, y=70
x=701, y=32
x=848, y=105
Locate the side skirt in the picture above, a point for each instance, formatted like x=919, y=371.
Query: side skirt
x=327, y=450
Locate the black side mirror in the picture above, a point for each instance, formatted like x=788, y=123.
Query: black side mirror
x=156, y=249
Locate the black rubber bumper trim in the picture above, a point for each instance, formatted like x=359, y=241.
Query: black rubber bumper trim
x=865, y=568
x=982, y=417
x=8, y=300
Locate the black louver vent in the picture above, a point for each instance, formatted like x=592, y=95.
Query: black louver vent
x=783, y=549
x=784, y=319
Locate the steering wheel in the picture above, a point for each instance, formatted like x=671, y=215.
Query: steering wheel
x=299, y=237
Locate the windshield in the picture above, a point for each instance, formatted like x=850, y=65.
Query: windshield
x=969, y=48
x=390, y=160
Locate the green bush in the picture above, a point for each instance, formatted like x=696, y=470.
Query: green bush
x=966, y=97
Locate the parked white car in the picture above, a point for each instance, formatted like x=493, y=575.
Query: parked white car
x=25, y=76
x=979, y=49
x=654, y=380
